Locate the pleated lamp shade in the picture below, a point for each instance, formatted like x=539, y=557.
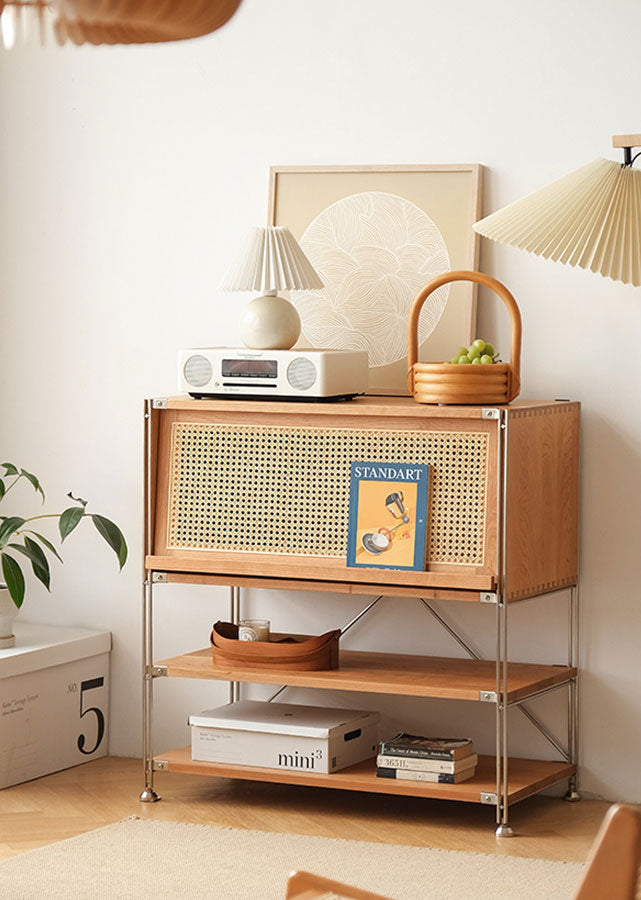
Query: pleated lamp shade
x=590, y=218
x=271, y=260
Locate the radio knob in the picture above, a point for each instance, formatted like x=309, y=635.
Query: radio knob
x=198, y=371
x=301, y=373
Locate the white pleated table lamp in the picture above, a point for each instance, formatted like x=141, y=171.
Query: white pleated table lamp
x=590, y=218
x=271, y=261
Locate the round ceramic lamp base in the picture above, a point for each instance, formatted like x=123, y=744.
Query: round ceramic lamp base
x=269, y=323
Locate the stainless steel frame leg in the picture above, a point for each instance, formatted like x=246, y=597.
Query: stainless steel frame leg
x=234, y=616
x=497, y=716
x=148, y=795
x=573, y=795
x=503, y=828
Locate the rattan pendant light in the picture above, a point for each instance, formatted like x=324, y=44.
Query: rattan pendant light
x=590, y=218
x=113, y=21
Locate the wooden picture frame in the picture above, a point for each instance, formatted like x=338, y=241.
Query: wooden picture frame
x=415, y=221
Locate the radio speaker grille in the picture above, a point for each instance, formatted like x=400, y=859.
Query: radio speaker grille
x=198, y=371
x=301, y=374
x=273, y=489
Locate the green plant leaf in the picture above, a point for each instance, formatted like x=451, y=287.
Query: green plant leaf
x=69, y=519
x=38, y=560
x=77, y=499
x=2, y=489
x=113, y=535
x=34, y=481
x=8, y=527
x=14, y=579
x=9, y=469
x=47, y=544
x=40, y=568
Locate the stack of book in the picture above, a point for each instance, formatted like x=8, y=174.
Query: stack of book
x=413, y=757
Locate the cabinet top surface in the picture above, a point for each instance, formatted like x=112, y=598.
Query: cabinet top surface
x=367, y=406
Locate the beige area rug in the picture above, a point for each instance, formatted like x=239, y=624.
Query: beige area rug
x=147, y=859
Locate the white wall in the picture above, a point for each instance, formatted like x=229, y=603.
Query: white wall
x=127, y=179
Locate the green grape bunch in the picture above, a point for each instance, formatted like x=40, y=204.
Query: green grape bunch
x=479, y=352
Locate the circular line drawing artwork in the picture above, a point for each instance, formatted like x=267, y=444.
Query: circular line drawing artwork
x=374, y=252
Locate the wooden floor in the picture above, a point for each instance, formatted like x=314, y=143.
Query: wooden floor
x=106, y=790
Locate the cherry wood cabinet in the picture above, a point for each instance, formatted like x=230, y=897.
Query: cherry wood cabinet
x=255, y=494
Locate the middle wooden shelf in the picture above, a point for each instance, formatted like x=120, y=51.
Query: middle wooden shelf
x=388, y=673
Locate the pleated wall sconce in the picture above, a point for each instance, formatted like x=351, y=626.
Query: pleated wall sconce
x=271, y=261
x=590, y=218
x=111, y=21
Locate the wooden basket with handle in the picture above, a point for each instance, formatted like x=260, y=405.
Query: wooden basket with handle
x=461, y=384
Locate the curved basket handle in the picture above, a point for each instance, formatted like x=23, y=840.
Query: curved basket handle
x=479, y=278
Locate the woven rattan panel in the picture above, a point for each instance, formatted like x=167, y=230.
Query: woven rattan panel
x=271, y=489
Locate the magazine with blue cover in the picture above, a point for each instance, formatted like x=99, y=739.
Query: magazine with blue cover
x=387, y=515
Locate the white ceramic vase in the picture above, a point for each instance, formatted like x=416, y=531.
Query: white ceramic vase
x=8, y=612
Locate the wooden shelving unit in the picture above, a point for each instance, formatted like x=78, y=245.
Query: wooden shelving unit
x=503, y=529
x=527, y=777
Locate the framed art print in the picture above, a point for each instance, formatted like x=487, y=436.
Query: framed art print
x=376, y=235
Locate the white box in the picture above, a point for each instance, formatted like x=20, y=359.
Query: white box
x=54, y=696
x=284, y=736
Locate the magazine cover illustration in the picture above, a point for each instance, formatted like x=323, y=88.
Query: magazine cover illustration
x=387, y=515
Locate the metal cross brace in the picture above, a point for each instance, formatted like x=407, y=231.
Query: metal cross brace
x=347, y=627
x=519, y=704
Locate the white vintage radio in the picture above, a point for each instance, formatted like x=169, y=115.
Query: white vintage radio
x=273, y=374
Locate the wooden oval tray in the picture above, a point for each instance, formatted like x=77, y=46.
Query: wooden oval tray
x=301, y=652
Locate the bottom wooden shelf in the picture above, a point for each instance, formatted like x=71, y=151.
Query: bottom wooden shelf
x=526, y=777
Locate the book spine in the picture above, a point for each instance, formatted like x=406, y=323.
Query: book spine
x=390, y=749
x=405, y=775
x=426, y=765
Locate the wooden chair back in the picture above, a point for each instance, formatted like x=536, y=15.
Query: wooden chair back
x=612, y=868
x=305, y=886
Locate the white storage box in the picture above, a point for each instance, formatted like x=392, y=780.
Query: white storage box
x=284, y=736
x=54, y=696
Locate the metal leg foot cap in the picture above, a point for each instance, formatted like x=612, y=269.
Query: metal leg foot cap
x=504, y=831
x=572, y=796
x=149, y=796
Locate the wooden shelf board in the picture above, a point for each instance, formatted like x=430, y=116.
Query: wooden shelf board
x=314, y=568
x=337, y=587
x=327, y=587
x=386, y=673
x=526, y=777
x=370, y=405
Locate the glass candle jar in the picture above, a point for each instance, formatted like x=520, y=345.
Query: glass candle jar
x=253, y=630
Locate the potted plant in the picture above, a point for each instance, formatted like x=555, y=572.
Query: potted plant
x=19, y=539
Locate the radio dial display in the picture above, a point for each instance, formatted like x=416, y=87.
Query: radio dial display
x=249, y=368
